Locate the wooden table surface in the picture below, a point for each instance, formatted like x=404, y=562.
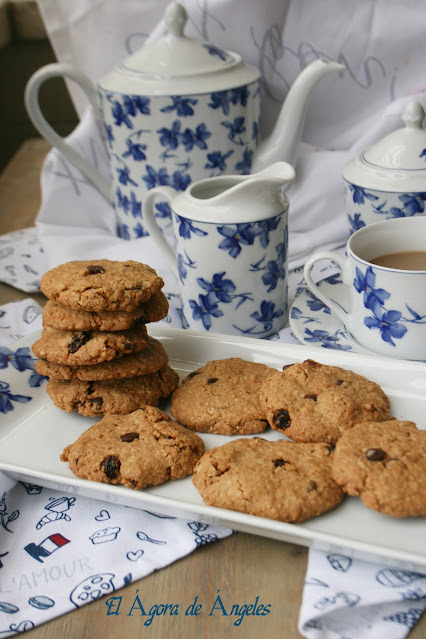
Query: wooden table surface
x=242, y=566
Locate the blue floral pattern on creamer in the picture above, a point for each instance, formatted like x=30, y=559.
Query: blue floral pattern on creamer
x=196, y=137
x=254, y=293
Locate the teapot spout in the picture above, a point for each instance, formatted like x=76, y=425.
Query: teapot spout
x=282, y=143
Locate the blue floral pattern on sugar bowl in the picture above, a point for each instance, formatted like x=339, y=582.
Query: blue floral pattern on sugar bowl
x=388, y=180
x=177, y=111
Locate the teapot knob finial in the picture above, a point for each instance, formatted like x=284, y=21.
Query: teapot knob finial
x=175, y=18
x=413, y=115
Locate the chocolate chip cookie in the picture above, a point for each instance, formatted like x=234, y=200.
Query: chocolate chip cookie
x=222, y=397
x=119, y=396
x=282, y=480
x=101, y=285
x=56, y=315
x=313, y=402
x=143, y=448
x=150, y=359
x=385, y=464
x=76, y=348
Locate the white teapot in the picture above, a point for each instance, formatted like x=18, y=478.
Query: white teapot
x=177, y=111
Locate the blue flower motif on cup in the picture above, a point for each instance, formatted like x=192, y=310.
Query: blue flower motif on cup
x=422, y=154
x=390, y=322
x=205, y=309
x=7, y=397
x=365, y=283
x=387, y=322
x=163, y=211
x=182, y=106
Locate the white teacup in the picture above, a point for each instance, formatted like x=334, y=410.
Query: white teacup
x=387, y=312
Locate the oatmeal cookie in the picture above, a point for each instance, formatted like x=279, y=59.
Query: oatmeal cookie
x=385, y=464
x=79, y=348
x=148, y=360
x=119, y=396
x=146, y=447
x=313, y=402
x=222, y=397
x=282, y=480
x=56, y=315
x=101, y=285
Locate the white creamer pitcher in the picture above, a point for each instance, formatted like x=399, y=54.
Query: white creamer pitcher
x=231, y=251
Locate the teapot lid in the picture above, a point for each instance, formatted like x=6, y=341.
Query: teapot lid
x=178, y=64
x=398, y=161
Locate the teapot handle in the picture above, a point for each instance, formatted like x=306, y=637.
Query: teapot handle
x=151, y=224
x=36, y=116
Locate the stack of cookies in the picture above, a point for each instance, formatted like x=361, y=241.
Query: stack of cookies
x=95, y=347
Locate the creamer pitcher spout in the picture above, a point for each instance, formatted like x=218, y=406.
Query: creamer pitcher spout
x=282, y=143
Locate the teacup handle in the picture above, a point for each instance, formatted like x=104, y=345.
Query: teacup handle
x=151, y=224
x=343, y=263
x=32, y=105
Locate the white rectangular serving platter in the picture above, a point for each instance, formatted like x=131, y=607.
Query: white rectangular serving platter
x=34, y=433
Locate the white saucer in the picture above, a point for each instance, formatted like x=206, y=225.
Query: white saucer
x=314, y=324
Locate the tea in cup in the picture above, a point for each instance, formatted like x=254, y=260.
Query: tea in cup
x=385, y=271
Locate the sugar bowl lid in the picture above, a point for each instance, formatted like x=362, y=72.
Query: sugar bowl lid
x=178, y=64
x=398, y=161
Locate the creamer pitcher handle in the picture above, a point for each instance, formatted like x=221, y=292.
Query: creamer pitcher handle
x=341, y=313
x=32, y=105
x=151, y=224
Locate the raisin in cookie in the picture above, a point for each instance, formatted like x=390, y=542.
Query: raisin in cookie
x=385, y=464
x=148, y=360
x=78, y=348
x=119, y=396
x=312, y=402
x=101, y=285
x=281, y=480
x=56, y=315
x=144, y=448
x=222, y=397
